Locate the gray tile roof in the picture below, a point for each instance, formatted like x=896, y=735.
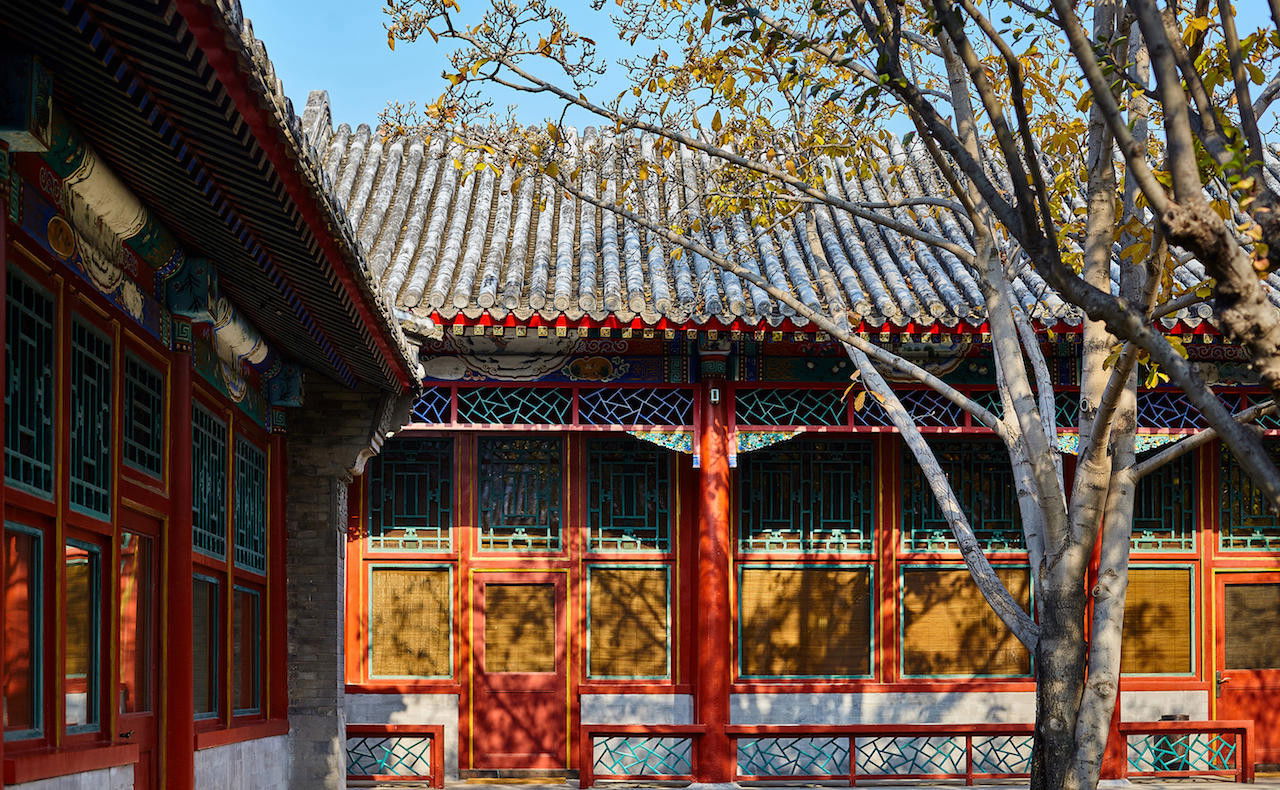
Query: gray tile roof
x=444, y=245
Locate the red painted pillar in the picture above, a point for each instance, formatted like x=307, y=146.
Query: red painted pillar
x=1115, y=757
x=178, y=723
x=712, y=667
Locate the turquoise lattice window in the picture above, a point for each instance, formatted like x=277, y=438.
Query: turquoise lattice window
x=1196, y=752
x=807, y=496
x=982, y=479
x=143, y=417
x=29, y=396
x=250, y=514
x=90, y=421
x=434, y=405
x=628, y=488
x=627, y=406
x=411, y=496
x=209, y=483
x=637, y=755
x=790, y=407
x=520, y=493
x=1164, y=508
x=515, y=406
x=408, y=757
x=1247, y=522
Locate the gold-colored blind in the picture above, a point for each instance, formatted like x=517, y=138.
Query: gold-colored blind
x=948, y=628
x=808, y=622
x=628, y=622
x=1252, y=621
x=409, y=619
x=519, y=628
x=79, y=614
x=1157, y=622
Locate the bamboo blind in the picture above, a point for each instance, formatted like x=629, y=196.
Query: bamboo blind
x=1252, y=621
x=1157, y=622
x=79, y=615
x=806, y=622
x=409, y=632
x=948, y=628
x=520, y=628
x=628, y=622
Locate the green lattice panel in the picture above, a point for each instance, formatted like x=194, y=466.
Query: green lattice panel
x=635, y=756
x=782, y=757
x=790, y=407
x=1247, y=522
x=910, y=755
x=401, y=757
x=628, y=488
x=1002, y=754
x=411, y=496
x=251, y=507
x=90, y=459
x=982, y=479
x=520, y=493
x=807, y=496
x=209, y=483
x=1194, y=752
x=29, y=396
x=143, y=417
x=515, y=406
x=1164, y=508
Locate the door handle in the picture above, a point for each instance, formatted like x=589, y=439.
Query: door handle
x=128, y=734
x=1218, y=682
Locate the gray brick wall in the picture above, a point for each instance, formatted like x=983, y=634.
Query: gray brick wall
x=329, y=440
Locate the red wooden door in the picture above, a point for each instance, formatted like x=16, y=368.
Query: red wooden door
x=520, y=697
x=138, y=599
x=1247, y=682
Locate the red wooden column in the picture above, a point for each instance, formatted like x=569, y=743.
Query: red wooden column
x=712, y=660
x=177, y=726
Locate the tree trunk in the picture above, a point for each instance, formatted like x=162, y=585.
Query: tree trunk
x=1059, y=672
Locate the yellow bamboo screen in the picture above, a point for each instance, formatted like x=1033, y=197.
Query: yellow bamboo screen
x=519, y=628
x=628, y=622
x=1252, y=621
x=948, y=628
x=808, y=622
x=79, y=614
x=409, y=617
x=1157, y=622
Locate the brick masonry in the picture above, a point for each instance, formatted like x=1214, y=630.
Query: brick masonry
x=329, y=441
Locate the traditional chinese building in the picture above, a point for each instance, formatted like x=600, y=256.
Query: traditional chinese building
x=174, y=270
x=635, y=491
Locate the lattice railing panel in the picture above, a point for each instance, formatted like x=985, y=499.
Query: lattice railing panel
x=899, y=755
x=1002, y=754
x=250, y=513
x=1247, y=521
x=411, y=496
x=209, y=483
x=790, y=407
x=628, y=488
x=29, y=396
x=520, y=493
x=434, y=406
x=143, y=417
x=618, y=406
x=515, y=406
x=982, y=479
x=1196, y=752
x=407, y=757
x=637, y=755
x=777, y=757
x=91, y=392
x=807, y=496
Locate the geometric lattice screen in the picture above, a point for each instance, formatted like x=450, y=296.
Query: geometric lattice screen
x=982, y=479
x=627, y=493
x=411, y=496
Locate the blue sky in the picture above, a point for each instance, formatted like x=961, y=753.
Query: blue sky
x=341, y=46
